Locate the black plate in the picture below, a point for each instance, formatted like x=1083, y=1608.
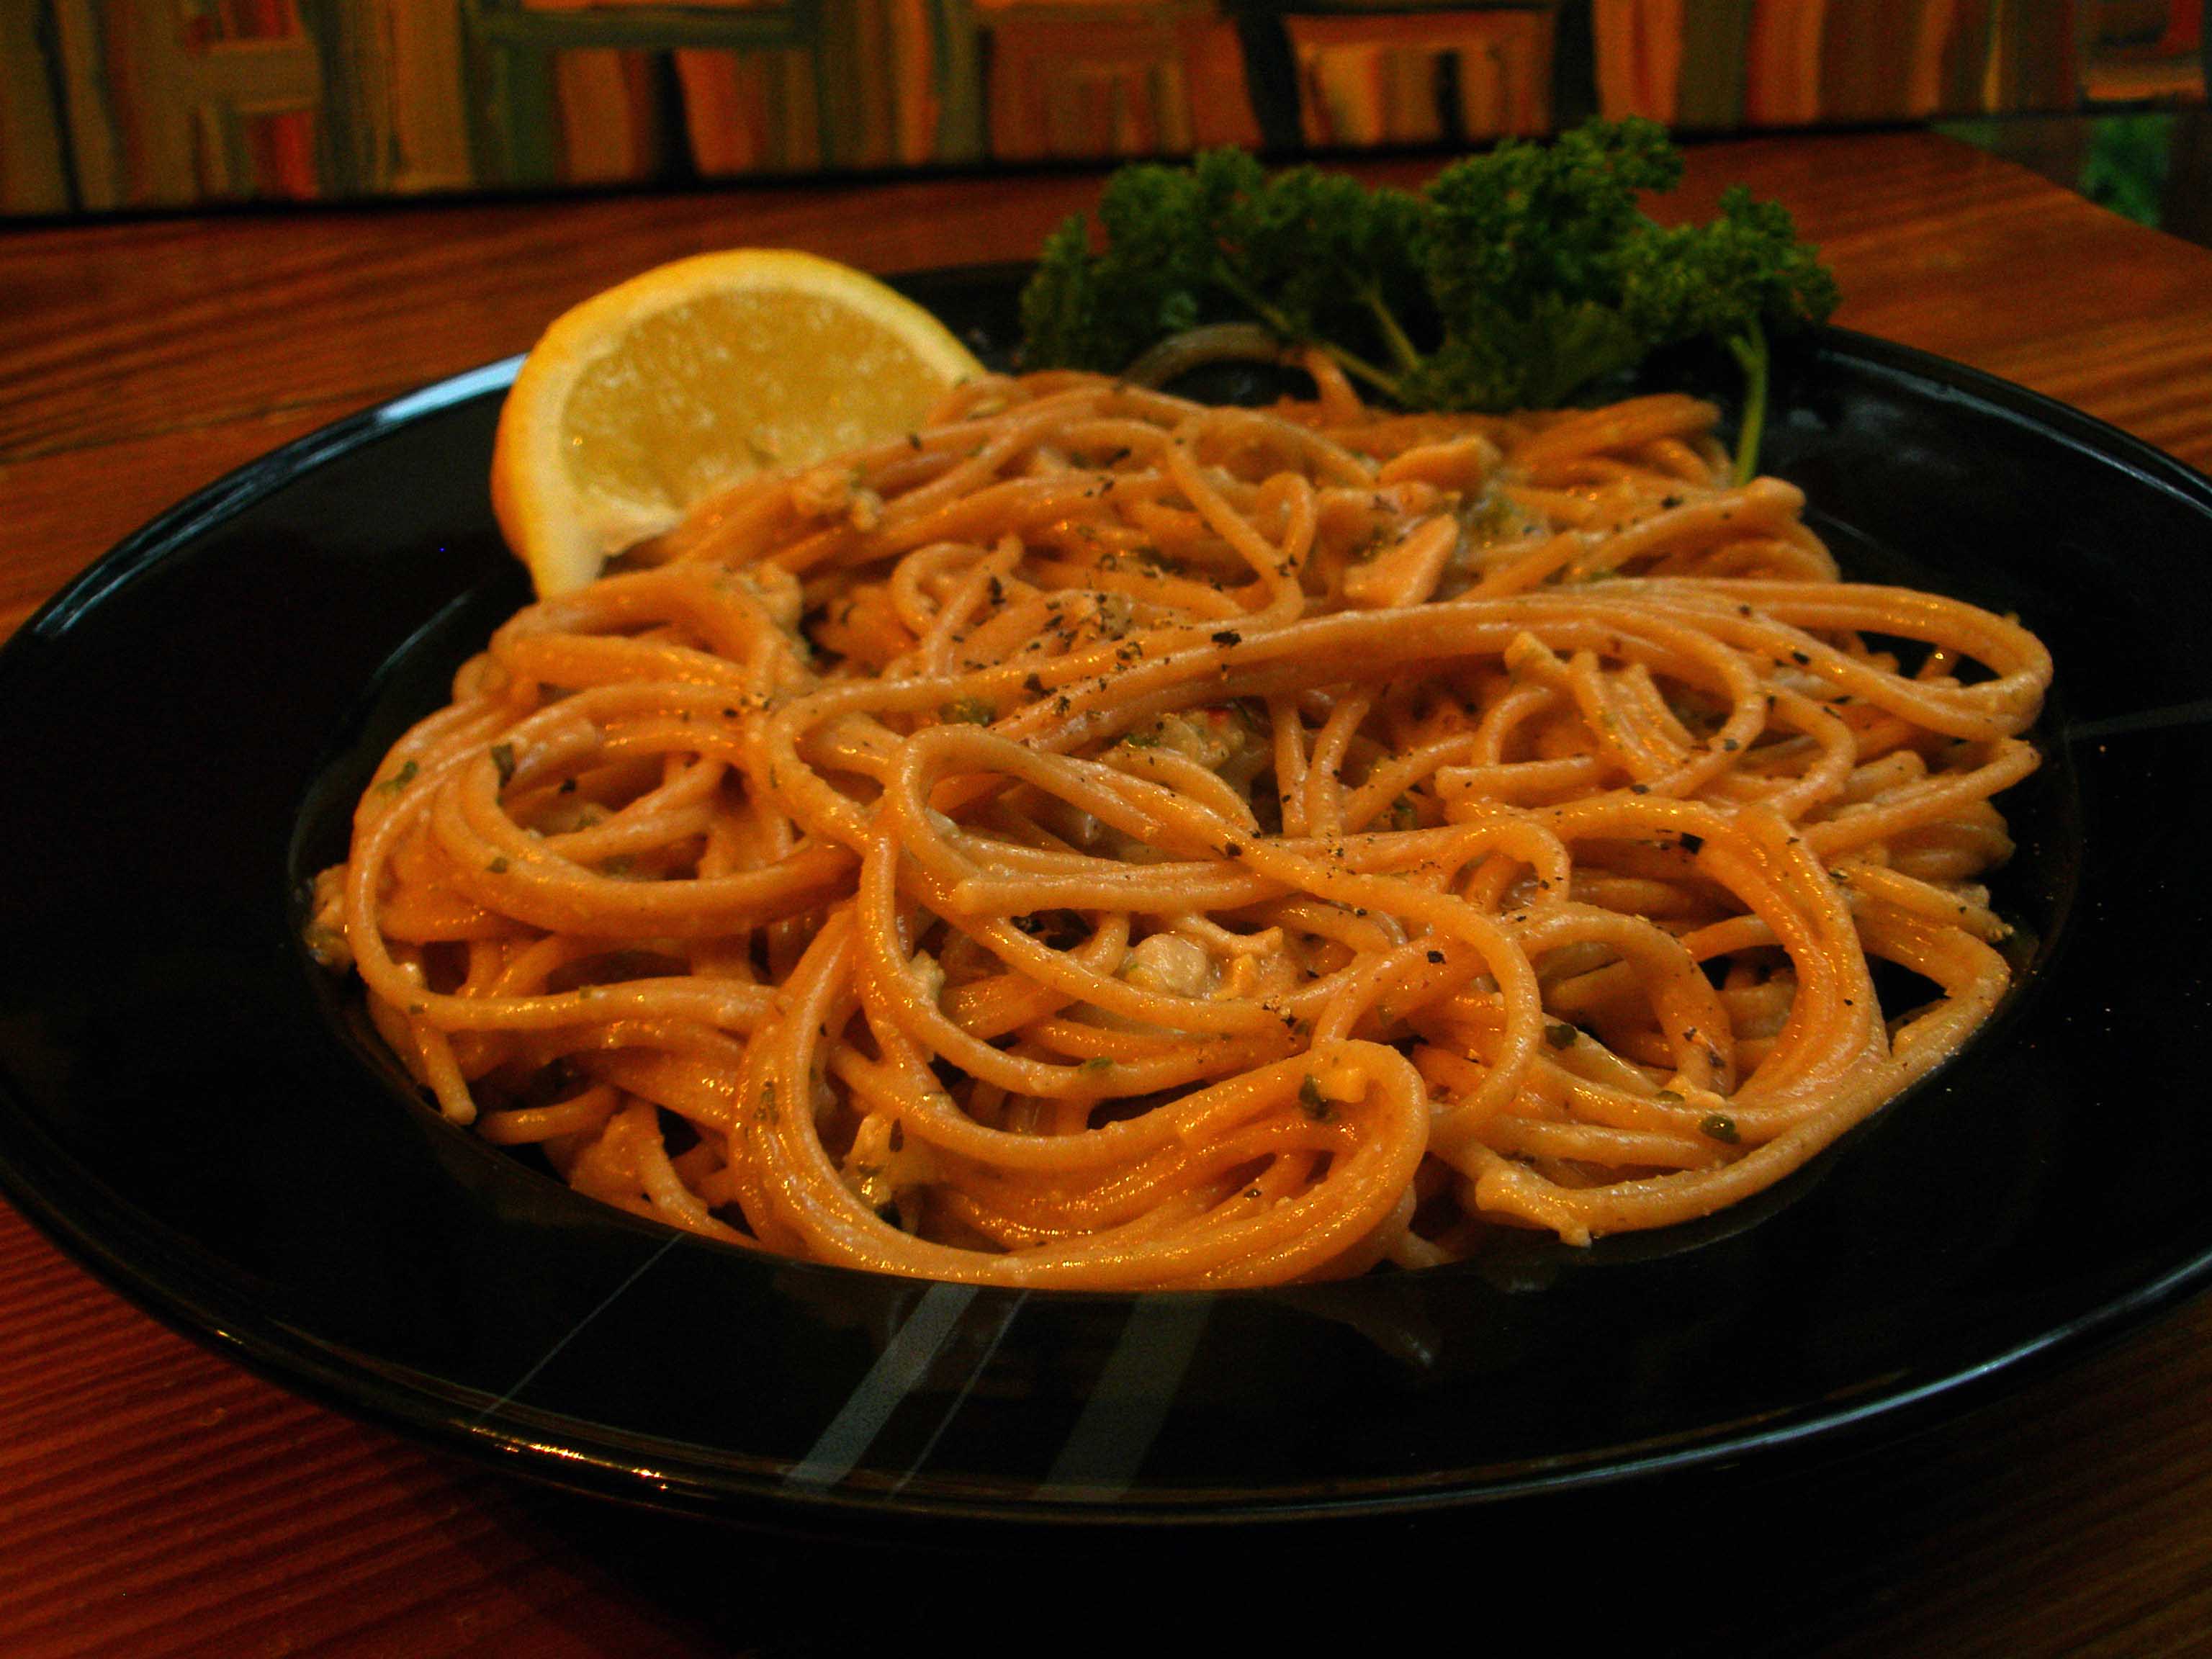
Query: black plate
x=190, y=1107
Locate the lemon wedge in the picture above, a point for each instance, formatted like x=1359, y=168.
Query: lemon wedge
x=669, y=388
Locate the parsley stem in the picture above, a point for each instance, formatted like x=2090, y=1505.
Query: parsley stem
x=1402, y=352
x=1750, y=353
x=1358, y=367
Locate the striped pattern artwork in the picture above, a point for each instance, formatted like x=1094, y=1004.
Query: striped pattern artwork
x=107, y=104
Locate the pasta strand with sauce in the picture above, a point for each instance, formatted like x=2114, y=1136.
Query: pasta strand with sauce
x=1106, y=841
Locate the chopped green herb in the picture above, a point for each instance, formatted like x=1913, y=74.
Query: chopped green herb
x=1561, y=1035
x=967, y=711
x=1722, y=1127
x=399, y=779
x=502, y=756
x=1311, y=1101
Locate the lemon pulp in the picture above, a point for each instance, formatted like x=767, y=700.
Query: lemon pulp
x=714, y=389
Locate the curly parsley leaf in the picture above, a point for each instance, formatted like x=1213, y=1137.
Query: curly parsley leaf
x=1516, y=279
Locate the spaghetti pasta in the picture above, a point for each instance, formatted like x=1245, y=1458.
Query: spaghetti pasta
x=1105, y=840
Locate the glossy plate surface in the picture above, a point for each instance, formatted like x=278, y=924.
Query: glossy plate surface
x=191, y=1108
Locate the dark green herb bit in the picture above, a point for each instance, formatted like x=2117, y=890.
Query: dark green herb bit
x=502, y=756
x=967, y=711
x=1561, y=1035
x=1314, y=1103
x=1098, y=1063
x=399, y=779
x=1722, y=1127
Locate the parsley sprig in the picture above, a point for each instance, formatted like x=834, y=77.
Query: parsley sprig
x=1515, y=279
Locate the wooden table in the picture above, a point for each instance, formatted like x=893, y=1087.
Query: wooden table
x=156, y=1500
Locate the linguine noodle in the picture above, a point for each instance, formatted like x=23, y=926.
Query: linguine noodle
x=1104, y=841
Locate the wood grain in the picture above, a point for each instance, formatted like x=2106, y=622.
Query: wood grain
x=156, y=1500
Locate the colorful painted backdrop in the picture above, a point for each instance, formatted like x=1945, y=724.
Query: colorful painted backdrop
x=117, y=104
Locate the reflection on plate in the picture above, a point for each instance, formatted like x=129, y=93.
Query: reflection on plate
x=193, y=1108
